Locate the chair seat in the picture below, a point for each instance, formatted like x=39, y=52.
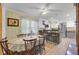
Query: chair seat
x=29, y=52
x=17, y=53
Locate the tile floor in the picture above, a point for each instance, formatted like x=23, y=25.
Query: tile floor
x=72, y=49
x=61, y=48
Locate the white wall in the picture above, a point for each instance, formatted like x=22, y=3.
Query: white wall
x=12, y=31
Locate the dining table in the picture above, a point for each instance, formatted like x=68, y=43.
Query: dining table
x=17, y=44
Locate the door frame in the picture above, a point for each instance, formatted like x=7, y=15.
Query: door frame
x=77, y=26
x=0, y=26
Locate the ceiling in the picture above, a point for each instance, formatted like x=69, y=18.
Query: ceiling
x=36, y=9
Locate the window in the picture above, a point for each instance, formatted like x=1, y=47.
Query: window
x=28, y=26
x=34, y=26
x=24, y=26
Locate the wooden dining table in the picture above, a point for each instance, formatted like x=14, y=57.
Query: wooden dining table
x=18, y=44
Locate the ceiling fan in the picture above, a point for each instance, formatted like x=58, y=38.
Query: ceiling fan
x=45, y=8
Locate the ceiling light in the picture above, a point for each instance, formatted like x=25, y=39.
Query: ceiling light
x=44, y=13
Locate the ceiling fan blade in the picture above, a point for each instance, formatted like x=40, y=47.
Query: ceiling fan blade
x=46, y=6
x=54, y=10
x=32, y=7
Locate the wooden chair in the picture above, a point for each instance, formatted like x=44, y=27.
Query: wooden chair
x=30, y=46
x=5, y=49
x=42, y=44
x=19, y=53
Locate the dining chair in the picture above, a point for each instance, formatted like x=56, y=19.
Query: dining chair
x=41, y=44
x=5, y=49
x=30, y=46
x=4, y=46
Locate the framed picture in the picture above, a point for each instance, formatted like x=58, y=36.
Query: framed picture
x=13, y=22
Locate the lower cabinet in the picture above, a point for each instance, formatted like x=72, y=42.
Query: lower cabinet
x=53, y=37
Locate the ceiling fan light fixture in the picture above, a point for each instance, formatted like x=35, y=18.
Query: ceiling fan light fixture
x=44, y=13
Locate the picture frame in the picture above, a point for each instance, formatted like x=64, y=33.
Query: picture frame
x=13, y=22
